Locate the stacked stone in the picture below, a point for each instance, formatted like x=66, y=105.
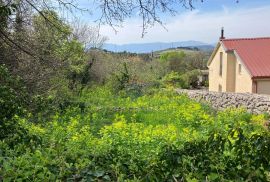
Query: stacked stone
x=254, y=103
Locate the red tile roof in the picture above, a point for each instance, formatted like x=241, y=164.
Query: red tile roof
x=253, y=52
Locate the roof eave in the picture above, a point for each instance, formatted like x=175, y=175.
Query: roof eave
x=213, y=54
x=260, y=77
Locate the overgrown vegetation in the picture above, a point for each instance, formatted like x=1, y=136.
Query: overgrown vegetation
x=70, y=111
x=155, y=137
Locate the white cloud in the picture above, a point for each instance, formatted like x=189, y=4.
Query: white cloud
x=196, y=25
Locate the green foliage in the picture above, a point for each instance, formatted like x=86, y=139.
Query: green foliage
x=63, y=68
x=123, y=79
x=13, y=100
x=191, y=78
x=175, y=61
x=12, y=94
x=157, y=137
x=51, y=28
x=182, y=62
x=7, y=10
x=174, y=79
x=186, y=80
x=128, y=130
x=125, y=83
x=78, y=68
x=174, y=55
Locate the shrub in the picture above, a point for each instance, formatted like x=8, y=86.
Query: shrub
x=191, y=79
x=13, y=101
x=174, y=79
x=12, y=94
x=186, y=80
x=126, y=84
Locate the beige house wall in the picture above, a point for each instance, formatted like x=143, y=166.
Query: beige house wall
x=231, y=80
x=214, y=78
x=243, y=81
x=231, y=70
x=263, y=86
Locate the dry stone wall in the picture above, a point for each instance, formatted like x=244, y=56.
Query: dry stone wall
x=254, y=103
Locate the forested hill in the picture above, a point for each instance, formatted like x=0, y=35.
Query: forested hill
x=156, y=46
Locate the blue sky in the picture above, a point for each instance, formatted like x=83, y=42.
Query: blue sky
x=214, y=5
x=248, y=18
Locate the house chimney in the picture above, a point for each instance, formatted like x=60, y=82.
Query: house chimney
x=222, y=34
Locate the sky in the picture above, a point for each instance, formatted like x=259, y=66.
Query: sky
x=248, y=18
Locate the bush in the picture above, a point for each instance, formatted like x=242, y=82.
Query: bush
x=186, y=80
x=12, y=95
x=191, y=79
x=126, y=84
x=13, y=101
x=173, y=79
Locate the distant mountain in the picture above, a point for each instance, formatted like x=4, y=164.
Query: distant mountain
x=156, y=46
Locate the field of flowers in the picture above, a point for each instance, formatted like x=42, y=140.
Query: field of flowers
x=160, y=136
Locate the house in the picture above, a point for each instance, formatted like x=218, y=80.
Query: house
x=240, y=65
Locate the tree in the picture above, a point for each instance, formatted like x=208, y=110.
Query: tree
x=88, y=35
x=47, y=49
x=175, y=61
x=112, y=12
x=197, y=60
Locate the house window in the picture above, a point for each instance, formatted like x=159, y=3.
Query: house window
x=219, y=88
x=220, y=63
x=239, y=68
